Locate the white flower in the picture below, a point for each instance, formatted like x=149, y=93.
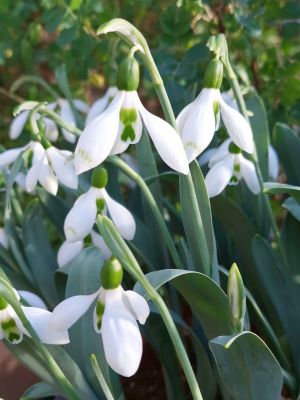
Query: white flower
x=82, y=216
x=52, y=132
x=50, y=166
x=100, y=105
x=12, y=329
x=227, y=167
x=8, y=157
x=115, y=316
x=198, y=121
x=119, y=126
x=273, y=162
x=3, y=238
x=69, y=250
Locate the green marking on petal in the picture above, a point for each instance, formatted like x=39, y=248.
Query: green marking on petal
x=234, y=149
x=100, y=204
x=234, y=179
x=84, y=155
x=237, y=167
x=99, y=311
x=128, y=133
x=10, y=330
x=128, y=115
x=3, y=303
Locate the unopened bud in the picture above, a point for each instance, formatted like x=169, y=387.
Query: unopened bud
x=237, y=299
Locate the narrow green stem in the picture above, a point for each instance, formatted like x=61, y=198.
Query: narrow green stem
x=242, y=106
x=33, y=79
x=152, y=203
x=100, y=377
x=120, y=249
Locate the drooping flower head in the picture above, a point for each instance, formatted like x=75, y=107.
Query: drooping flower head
x=198, y=121
x=13, y=330
x=121, y=124
x=51, y=129
x=115, y=315
x=82, y=216
x=227, y=167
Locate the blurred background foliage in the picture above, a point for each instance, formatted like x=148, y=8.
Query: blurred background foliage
x=37, y=37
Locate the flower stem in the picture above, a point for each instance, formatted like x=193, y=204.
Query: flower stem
x=120, y=250
x=152, y=203
x=33, y=79
x=242, y=106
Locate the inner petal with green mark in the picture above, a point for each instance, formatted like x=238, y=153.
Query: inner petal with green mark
x=100, y=204
x=10, y=330
x=128, y=116
x=98, y=314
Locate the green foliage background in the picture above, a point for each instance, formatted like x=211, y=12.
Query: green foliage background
x=38, y=36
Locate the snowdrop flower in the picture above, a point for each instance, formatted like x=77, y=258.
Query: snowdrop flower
x=51, y=129
x=3, y=238
x=12, y=329
x=114, y=316
x=82, y=216
x=198, y=121
x=69, y=250
x=121, y=124
x=100, y=105
x=227, y=167
x=8, y=157
x=273, y=162
x=49, y=166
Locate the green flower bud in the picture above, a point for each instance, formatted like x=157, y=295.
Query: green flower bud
x=99, y=178
x=237, y=299
x=213, y=74
x=234, y=149
x=111, y=274
x=3, y=303
x=128, y=77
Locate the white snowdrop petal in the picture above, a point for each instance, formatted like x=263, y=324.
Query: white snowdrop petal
x=17, y=125
x=99, y=242
x=218, y=177
x=81, y=106
x=273, y=162
x=67, y=115
x=249, y=175
x=68, y=251
x=137, y=305
x=64, y=169
x=47, y=178
x=121, y=336
x=32, y=177
x=40, y=321
x=51, y=130
x=81, y=218
x=122, y=218
x=220, y=153
x=199, y=127
x=32, y=299
x=9, y=156
x=98, y=137
x=238, y=127
x=207, y=155
x=3, y=238
x=68, y=312
x=166, y=140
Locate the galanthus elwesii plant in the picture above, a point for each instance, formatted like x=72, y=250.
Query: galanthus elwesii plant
x=97, y=200
x=228, y=166
x=114, y=316
x=121, y=124
x=127, y=248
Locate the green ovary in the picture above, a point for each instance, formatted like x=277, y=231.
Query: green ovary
x=128, y=116
x=99, y=313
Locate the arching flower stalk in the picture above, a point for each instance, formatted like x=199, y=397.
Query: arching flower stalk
x=115, y=315
x=82, y=216
x=227, y=167
x=51, y=129
x=121, y=124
